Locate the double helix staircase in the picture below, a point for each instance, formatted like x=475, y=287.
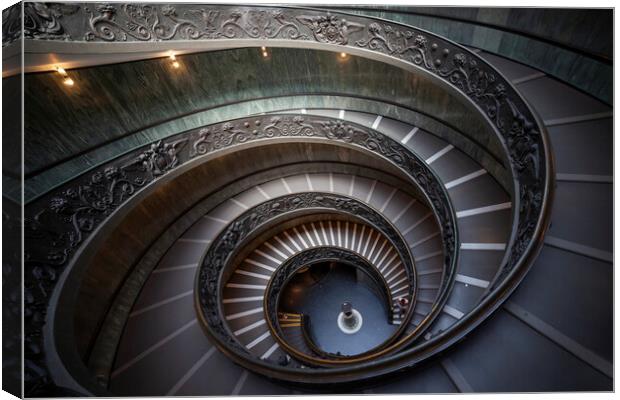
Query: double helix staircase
x=502, y=253
x=481, y=203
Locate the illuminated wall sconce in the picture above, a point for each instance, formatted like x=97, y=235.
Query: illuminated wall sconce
x=65, y=77
x=264, y=52
x=343, y=55
x=175, y=63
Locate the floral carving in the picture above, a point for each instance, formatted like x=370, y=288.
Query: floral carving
x=160, y=157
x=144, y=22
x=259, y=24
x=402, y=43
x=520, y=132
x=42, y=20
x=330, y=28
x=463, y=70
x=338, y=130
x=80, y=208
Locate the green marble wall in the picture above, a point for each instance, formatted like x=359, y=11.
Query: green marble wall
x=67, y=128
x=44, y=181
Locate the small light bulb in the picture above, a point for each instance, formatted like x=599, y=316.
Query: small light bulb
x=68, y=81
x=61, y=70
x=265, y=54
x=173, y=57
x=263, y=48
x=343, y=55
x=175, y=64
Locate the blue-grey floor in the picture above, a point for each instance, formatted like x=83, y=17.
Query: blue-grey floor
x=322, y=301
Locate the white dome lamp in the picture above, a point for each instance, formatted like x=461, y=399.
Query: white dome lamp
x=349, y=319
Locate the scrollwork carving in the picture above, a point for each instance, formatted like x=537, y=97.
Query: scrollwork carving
x=11, y=24
x=402, y=43
x=330, y=28
x=259, y=25
x=462, y=69
x=145, y=22
x=42, y=20
x=160, y=157
x=288, y=127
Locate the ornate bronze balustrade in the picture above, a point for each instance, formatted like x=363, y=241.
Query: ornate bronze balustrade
x=233, y=238
x=60, y=223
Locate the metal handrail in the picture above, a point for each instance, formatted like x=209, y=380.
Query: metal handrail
x=516, y=125
x=208, y=280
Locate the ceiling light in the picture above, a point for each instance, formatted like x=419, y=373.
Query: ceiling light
x=66, y=79
x=175, y=64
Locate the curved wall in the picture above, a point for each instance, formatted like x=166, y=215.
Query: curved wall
x=475, y=145
x=104, y=105
x=551, y=40
x=563, y=26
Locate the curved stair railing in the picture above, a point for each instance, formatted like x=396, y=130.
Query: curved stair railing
x=208, y=282
x=59, y=224
x=291, y=265
x=203, y=143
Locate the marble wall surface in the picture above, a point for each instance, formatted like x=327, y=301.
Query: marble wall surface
x=115, y=108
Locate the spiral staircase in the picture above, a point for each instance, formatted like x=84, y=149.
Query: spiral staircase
x=207, y=222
